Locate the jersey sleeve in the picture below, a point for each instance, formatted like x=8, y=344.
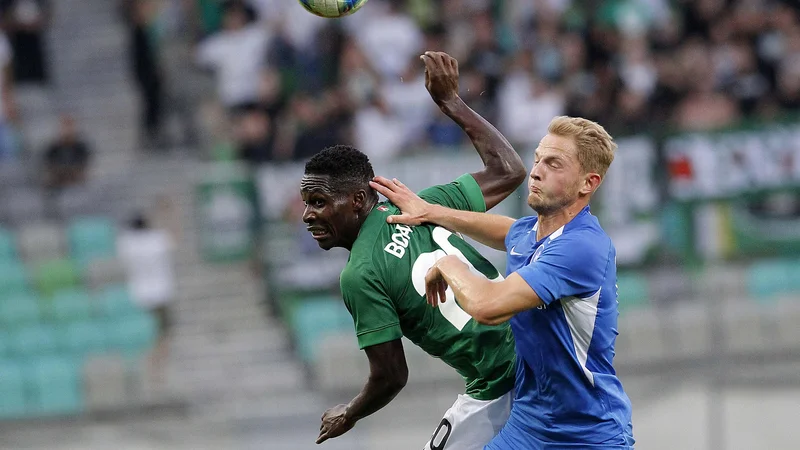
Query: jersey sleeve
x=374, y=314
x=569, y=266
x=464, y=194
x=518, y=229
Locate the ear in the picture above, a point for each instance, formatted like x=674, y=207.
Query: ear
x=359, y=199
x=590, y=183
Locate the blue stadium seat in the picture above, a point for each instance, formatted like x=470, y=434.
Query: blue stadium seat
x=767, y=279
x=13, y=404
x=69, y=305
x=90, y=238
x=19, y=310
x=85, y=337
x=56, y=386
x=39, y=339
x=315, y=318
x=8, y=246
x=13, y=279
x=132, y=334
x=116, y=301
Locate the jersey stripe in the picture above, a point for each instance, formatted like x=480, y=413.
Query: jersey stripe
x=581, y=314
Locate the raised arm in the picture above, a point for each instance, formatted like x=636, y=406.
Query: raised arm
x=503, y=169
x=388, y=374
x=488, y=229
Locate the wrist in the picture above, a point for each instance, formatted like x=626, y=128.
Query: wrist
x=349, y=415
x=432, y=214
x=450, y=106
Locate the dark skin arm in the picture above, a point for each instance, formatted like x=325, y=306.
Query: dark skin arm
x=503, y=169
x=388, y=374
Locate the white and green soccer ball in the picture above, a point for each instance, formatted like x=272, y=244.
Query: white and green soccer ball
x=332, y=8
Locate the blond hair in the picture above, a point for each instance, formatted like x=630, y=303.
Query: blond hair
x=595, y=146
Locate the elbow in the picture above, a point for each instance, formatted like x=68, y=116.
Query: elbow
x=485, y=315
x=394, y=381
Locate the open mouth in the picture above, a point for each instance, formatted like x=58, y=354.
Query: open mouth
x=318, y=233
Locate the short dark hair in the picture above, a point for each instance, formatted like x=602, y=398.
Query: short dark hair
x=347, y=167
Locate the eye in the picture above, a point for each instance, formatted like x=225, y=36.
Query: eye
x=317, y=203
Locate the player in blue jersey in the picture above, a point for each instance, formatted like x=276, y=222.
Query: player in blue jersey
x=559, y=294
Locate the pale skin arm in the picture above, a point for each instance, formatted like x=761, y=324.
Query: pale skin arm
x=487, y=302
x=488, y=229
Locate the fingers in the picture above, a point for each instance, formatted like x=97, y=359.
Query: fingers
x=322, y=437
x=382, y=189
x=442, y=291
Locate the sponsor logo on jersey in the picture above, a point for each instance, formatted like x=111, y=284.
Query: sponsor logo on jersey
x=383, y=208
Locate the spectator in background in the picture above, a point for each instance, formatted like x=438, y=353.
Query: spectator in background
x=66, y=160
x=147, y=254
x=146, y=66
x=26, y=21
x=236, y=54
x=8, y=108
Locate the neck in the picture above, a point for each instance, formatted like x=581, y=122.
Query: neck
x=362, y=217
x=551, y=221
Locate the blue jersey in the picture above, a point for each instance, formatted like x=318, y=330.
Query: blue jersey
x=567, y=393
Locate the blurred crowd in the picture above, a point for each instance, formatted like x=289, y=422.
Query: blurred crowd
x=289, y=83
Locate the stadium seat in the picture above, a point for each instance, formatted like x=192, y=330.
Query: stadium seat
x=132, y=334
x=91, y=238
x=8, y=246
x=70, y=305
x=19, y=310
x=13, y=404
x=38, y=339
x=115, y=301
x=13, y=279
x=39, y=242
x=633, y=291
x=768, y=279
x=57, y=275
x=315, y=318
x=56, y=386
x=105, y=272
x=85, y=337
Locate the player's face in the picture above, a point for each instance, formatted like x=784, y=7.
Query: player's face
x=329, y=215
x=556, y=177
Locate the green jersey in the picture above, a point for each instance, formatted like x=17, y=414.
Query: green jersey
x=383, y=286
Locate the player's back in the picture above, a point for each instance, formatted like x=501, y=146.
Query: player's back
x=384, y=288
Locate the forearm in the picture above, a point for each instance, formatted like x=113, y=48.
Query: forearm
x=376, y=394
x=488, y=229
x=503, y=168
x=471, y=290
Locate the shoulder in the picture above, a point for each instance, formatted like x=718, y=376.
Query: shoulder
x=521, y=227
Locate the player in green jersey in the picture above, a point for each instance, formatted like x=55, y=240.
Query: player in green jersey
x=383, y=283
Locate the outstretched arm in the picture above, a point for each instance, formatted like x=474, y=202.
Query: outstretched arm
x=503, y=169
x=488, y=229
x=487, y=302
x=388, y=374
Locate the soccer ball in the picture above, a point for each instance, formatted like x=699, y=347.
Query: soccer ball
x=332, y=8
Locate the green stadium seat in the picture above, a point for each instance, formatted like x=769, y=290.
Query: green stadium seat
x=91, y=238
x=70, y=305
x=19, y=310
x=39, y=339
x=13, y=279
x=115, y=301
x=57, y=275
x=132, y=334
x=633, y=291
x=56, y=386
x=13, y=404
x=315, y=318
x=8, y=246
x=85, y=337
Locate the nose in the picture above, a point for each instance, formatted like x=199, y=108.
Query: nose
x=536, y=173
x=308, y=215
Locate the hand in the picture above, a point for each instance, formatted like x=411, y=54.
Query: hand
x=414, y=209
x=435, y=284
x=334, y=423
x=441, y=76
